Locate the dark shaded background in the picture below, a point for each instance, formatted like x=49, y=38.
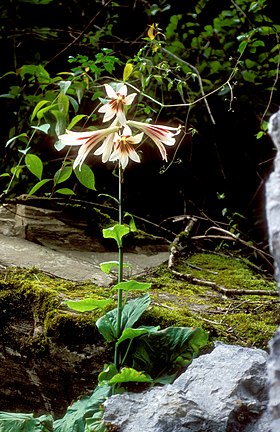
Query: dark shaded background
x=224, y=158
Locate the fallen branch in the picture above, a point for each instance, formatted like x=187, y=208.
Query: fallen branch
x=177, y=247
x=226, y=291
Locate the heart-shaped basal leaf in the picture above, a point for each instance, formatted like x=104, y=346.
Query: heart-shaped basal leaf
x=130, y=375
x=132, y=311
x=157, y=353
x=88, y=304
x=131, y=333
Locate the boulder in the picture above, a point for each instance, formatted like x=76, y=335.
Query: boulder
x=223, y=391
x=273, y=221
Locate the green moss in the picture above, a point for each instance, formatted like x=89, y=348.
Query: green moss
x=240, y=319
x=31, y=296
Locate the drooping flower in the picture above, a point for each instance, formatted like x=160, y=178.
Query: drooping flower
x=88, y=141
x=115, y=106
x=158, y=133
x=123, y=147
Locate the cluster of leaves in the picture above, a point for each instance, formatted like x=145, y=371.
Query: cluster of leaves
x=224, y=53
x=48, y=105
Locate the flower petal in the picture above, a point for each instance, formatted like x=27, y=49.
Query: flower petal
x=136, y=139
x=110, y=92
x=82, y=154
x=126, y=131
x=133, y=155
x=106, y=148
x=123, y=90
x=129, y=99
x=121, y=115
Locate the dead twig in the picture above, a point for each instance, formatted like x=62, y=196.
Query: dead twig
x=229, y=292
x=229, y=236
x=176, y=246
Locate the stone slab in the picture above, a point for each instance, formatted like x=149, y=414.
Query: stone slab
x=71, y=264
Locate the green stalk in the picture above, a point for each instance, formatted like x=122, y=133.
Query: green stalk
x=120, y=274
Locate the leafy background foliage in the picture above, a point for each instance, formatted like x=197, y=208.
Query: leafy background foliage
x=53, y=74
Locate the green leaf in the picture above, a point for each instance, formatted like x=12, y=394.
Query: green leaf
x=108, y=372
x=37, y=108
x=34, y=164
x=65, y=191
x=38, y=186
x=64, y=86
x=132, y=285
x=63, y=104
x=88, y=304
x=19, y=422
x=43, y=128
x=249, y=76
x=62, y=174
x=128, y=69
x=131, y=312
x=131, y=333
x=16, y=170
x=60, y=125
x=42, y=111
x=83, y=412
x=59, y=145
x=132, y=225
x=107, y=266
x=166, y=350
x=111, y=197
x=260, y=134
x=242, y=46
x=75, y=120
x=116, y=232
x=73, y=102
x=22, y=135
x=85, y=176
x=130, y=375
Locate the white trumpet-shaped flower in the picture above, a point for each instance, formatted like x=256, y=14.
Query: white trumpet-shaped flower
x=115, y=106
x=158, y=133
x=88, y=141
x=123, y=147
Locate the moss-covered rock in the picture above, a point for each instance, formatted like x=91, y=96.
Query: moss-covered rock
x=56, y=354
x=248, y=320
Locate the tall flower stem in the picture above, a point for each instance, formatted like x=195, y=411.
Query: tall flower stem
x=120, y=272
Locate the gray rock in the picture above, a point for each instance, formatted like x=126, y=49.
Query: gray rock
x=273, y=221
x=273, y=197
x=224, y=391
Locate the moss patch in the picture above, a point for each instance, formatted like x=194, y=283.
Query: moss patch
x=33, y=298
x=248, y=320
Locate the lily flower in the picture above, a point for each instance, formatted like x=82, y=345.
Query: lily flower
x=87, y=141
x=123, y=147
x=116, y=104
x=158, y=133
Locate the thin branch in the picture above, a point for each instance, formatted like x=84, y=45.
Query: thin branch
x=232, y=237
x=273, y=88
x=203, y=97
x=189, y=65
x=79, y=36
